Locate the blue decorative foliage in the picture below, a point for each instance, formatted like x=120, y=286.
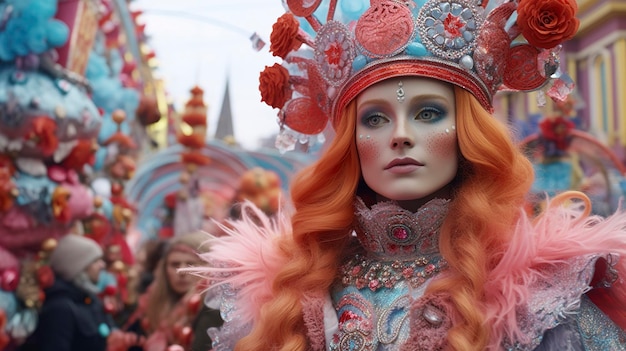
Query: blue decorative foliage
x=108, y=92
x=30, y=28
x=35, y=195
x=19, y=88
x=100, y=158
x=107, y=208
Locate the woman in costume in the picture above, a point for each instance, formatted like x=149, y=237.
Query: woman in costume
x=409, y=232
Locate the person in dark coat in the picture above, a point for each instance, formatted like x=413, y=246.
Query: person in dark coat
x=72, y=317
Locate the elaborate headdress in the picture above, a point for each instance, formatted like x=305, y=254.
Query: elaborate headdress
x=482, y=46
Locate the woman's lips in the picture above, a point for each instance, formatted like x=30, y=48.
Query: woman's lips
x=403, y=165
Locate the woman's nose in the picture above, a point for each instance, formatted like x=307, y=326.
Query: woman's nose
x=402, y=136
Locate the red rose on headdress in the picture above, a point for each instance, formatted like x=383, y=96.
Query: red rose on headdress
x=284, y=37
x=274, y=85
x=547, y=23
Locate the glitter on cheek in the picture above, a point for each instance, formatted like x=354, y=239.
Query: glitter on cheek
x=368, y=149
x=442, y=144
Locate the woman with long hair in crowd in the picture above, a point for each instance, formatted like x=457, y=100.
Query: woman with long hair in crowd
x=168, y=312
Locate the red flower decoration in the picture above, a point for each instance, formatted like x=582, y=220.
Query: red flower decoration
x=7, y=162
x=547, y=23
x=60, y=200
x=305, y=116
x=170, y=200
x=9, y=279
x=45, y=277
x=557, y=130
x=284, y=37
x=83, y=153
x=274, y=86
x=43, y=133
x=97, y=227
x=7, y=189
x=453, y=25
x=333, y=53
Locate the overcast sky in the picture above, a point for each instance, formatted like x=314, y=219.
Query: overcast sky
x=205, y=42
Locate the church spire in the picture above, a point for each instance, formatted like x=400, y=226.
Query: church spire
x=224, y=130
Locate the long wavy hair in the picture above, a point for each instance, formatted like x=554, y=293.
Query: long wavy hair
x=162, y=299
x=490, y=187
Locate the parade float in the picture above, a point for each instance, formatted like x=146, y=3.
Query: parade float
x=195, y=183
x=565, y=157
x=62, y=127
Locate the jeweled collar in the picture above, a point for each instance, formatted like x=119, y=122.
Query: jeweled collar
x=399, y=245
x=388, y=231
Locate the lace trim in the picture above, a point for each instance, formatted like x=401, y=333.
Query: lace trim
x=391, y=232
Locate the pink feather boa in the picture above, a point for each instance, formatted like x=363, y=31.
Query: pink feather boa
x=554, y=241
x=247, y=258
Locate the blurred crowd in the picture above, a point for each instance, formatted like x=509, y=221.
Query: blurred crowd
x=104, y=298
x=162, y=309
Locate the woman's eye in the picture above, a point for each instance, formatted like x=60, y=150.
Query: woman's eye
x=429, y=114
x=374, y=120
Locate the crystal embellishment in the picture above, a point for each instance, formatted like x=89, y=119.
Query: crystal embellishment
x=363, y=272
x=400, y=232
x=449, y=28
x=390, y=232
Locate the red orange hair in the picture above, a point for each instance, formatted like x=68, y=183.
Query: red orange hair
x=323, y=196
x=494, y=177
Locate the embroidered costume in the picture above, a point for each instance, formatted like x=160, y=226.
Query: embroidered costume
x=549, y=283
x=377, y=301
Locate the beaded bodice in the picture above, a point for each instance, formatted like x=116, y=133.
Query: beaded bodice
x=399, y=254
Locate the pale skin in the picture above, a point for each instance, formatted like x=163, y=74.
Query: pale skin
x=180, y=283
x=94, y=269
x=406, y=141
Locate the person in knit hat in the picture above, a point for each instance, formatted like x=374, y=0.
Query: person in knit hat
x=72, y=317
x=78, y=259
